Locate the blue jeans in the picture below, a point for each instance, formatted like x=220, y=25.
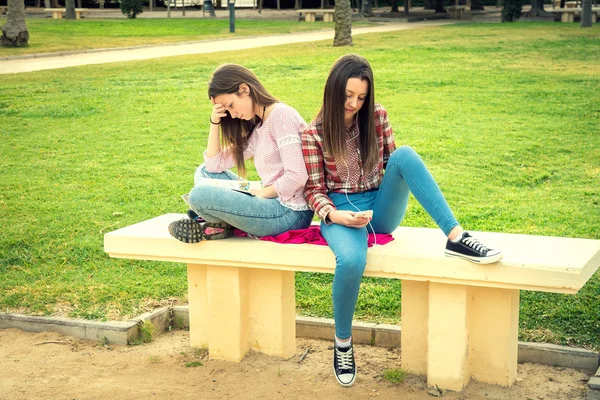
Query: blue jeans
x=253, y=215
x=405, y=173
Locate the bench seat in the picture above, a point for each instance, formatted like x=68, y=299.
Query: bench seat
x=310, y=14
x=459, y=319
x=57, y=13
x=568, y=14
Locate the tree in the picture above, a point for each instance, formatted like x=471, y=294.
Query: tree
x=14, y=32
x=131, y=8
x=343, y=23
x=366, y=10
x=70, y=9
x=586, y=14
x=439, y=6
x=511, y=11
x=476, y=5
x=537, y=10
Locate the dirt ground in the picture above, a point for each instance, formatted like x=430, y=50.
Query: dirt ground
x=33, y=368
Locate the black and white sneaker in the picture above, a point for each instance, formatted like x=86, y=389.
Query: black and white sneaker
x=471, y=249
x=344, y=367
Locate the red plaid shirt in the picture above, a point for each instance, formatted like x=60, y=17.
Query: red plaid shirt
x=325, y=174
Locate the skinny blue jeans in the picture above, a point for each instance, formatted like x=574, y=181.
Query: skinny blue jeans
x=253, y=215
x=405, y=173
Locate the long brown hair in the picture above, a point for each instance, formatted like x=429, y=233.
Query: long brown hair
x=235, y=132
x=331, y=114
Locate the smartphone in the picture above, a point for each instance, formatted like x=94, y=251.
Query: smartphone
x=364, y=214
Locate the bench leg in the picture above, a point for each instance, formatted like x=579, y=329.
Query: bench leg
x=310, y=17
x=235, y=309
x=198, y=305
x=77, y=14
x=453, y=332
x=448, y=337
x=415, y=312
x=272, y=313
x=493, y=334
x=327, y=17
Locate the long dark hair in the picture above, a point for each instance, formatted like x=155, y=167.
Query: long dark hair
x=331, y=114
x=235, y=132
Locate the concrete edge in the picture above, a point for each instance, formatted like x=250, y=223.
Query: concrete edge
x=381, y=335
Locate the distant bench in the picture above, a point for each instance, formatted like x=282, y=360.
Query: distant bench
x=568, y=14
x=459, y=320
x=310, y=15
x=456, y=12
x=57, y=13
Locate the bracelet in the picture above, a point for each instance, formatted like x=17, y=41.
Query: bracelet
x=214, y=123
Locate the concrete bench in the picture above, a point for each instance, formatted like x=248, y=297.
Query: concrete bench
x=311, y=14
x=57, y=13
x=568, y=14
x=456, y=12
x=459, y=319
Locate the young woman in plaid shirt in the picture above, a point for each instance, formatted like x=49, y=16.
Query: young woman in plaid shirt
x=346, y=149
x=250, y=123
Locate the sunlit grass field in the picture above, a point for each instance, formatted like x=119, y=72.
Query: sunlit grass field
x=506, y=116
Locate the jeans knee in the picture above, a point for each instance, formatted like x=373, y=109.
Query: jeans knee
x=199, y=196
x=350, y=267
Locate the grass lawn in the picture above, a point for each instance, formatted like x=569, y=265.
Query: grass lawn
x=506, y=116
x=51, y=35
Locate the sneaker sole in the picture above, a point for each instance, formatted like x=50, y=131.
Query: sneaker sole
x=342, y=383
x=186, y=231
x=477, y=260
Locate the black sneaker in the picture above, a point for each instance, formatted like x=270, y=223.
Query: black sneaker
x=473, y=250
x=189, y=231
x=344, y=367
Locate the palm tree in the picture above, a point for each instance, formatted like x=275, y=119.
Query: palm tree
x=14, y=32
x=343, y=23
x=70, y=7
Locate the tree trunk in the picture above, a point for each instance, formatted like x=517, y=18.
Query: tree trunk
x=429, y=5
x=476, y=5
x=439, y=6
x=79, y=4
x=14, y=32
x=537, y=10
x=394, y=6
x=406, y=6
x=586, y=14
x=343, y=23
x=365, y=8
x=70, y=9
x=298, y=5
x=47, y=4
x=54, y=4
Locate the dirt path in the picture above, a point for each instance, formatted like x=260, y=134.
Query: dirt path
x=79, y=369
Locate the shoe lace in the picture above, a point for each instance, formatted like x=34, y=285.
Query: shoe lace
x=344, y=359
x=475, y=244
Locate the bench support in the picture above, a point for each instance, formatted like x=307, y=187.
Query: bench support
x=452, y=333
x=235, y=309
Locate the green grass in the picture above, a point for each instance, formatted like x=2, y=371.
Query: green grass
x=49, y=35
x=506, y=116
x=395, y=376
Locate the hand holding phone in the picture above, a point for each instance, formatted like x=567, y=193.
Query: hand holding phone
x=364, y=214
